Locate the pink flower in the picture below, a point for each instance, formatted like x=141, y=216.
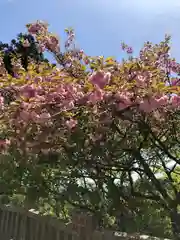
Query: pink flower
x=1, y=102
x=141, y=81
x=129, y=50
x=126, y=48
x=108, y=96
x=29, y=91
x=123, y=100
x=34, y=116
x=69, y=105
x=124, y=97
x=174, y=66
x=7, y=142
x=175, y=82
x=24, y=105
x=4, y=143
x=71, y=123
x=150, y=104
x=146, y=106
x=36, y=27
x=96, y=96
x=162, y=101
x=43, y=117
x=52, y=43
x=175, y=101
x=38, y=79
x=100, y=78
x=24, y=115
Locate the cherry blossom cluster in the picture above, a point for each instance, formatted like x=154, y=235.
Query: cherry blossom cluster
x=47, y=96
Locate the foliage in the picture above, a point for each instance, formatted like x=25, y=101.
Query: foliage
x=78, y=134
x=24, y=48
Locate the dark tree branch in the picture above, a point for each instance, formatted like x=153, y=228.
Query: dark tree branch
x=151, y=176
x=151, y=197
x=163, y=147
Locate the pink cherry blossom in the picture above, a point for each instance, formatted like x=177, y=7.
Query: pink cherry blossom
x=1, y=102
x=100, y=78
x=71, y=123
x=34, y=116
x=4, y=144
x=162, y=101
x=147, y=105
x=51, y=43
x=43, y=117
x=36, y=27
x=25, y=115
x=47, y=97
x=28, y=91
x=175, y=101
x=96, y=96
x=129, y=50
x=175, y=82
x=141, y=80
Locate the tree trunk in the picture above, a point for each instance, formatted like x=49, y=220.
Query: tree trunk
x=175, y=223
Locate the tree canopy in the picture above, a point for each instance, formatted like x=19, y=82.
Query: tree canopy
x=93, y=133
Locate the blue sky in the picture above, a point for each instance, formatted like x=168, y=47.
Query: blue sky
x=100, y=25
